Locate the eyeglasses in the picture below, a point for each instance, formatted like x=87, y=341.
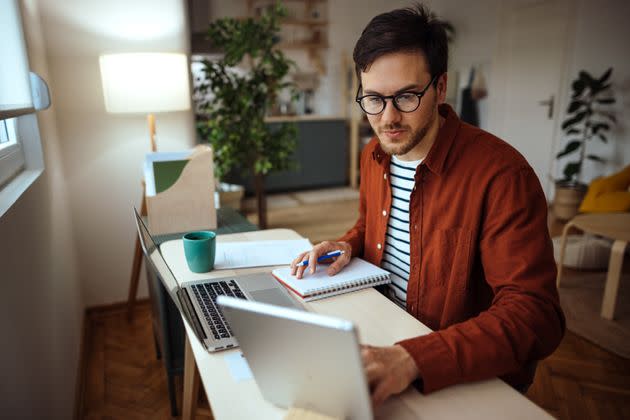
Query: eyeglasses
x=404, y=101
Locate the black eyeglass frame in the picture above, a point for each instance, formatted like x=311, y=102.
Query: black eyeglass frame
x=420, y=94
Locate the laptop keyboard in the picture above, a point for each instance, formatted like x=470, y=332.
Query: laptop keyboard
x=206, y=295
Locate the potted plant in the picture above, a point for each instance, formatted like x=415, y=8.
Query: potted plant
x=588, y=117
x=232, y=104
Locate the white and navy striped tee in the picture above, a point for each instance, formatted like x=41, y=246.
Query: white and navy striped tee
x=396, y=253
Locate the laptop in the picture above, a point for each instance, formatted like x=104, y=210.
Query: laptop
x=196, y=300
x=301, y=359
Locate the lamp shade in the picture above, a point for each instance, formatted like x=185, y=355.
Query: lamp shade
x=145, y=82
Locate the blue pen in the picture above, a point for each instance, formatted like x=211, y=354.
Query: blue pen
x=323, y=257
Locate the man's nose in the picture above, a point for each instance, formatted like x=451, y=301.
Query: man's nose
x=390, y=114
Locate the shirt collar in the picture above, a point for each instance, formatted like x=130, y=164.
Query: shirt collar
x=436, y=158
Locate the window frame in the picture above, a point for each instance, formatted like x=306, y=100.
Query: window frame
x=21, y=156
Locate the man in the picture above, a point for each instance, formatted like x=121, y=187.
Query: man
x=456, y=214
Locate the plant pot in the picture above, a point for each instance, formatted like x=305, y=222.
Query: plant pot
x=231, y=195
x=567, y=200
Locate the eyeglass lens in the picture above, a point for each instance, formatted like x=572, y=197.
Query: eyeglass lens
x=405, y=102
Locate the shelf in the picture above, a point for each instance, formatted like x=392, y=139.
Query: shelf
x=302, y=45
x=304, y=22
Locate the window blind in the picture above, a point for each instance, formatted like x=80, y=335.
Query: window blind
x=15, y=88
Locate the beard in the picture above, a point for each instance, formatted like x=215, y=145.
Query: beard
x=403, y=146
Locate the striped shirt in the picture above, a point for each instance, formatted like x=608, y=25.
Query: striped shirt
x=396, y=252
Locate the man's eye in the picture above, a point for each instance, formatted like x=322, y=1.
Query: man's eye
x=373, y=100
x=405, y=97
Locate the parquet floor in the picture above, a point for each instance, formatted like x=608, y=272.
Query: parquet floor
x=125, y=380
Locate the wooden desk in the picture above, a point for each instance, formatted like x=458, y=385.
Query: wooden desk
x=380, y=322
x=615, y=226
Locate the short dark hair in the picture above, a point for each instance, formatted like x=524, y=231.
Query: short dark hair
x=413, y=28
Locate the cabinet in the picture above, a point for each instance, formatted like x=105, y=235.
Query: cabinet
x=321, y=157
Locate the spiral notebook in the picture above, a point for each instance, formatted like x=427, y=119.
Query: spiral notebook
x=357, y=275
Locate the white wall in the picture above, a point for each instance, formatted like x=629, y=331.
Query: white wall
x=102, y=153
x=41, y=301
x=601, y=41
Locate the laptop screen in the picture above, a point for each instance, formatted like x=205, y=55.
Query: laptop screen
x=155, y=258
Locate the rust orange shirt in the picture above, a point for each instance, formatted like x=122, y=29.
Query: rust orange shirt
x=482, y=272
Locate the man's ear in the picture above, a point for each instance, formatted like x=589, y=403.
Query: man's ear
x=442, y=83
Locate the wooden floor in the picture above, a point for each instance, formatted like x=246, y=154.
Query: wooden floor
x=125, y=380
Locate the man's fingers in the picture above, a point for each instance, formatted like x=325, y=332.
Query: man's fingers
x=380, y=393
x=372, y=373
x=339, y=263
x=300, y=271
x=312, y=260
x=296, y=261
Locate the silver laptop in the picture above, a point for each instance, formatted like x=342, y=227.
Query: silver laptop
x=196, y=300
x=300, y=359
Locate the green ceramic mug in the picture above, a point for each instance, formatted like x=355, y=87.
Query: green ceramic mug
x=200, y=249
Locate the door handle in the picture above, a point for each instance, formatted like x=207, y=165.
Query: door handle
x=549, y=104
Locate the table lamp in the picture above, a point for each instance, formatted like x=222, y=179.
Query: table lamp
x=145, y=83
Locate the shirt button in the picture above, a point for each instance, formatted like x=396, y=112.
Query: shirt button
x=384, y=176
x=378, y=246
x=384, y=213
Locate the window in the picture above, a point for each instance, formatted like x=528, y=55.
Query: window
x=21, y=160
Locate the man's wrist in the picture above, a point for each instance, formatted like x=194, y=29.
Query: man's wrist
x=410, y=367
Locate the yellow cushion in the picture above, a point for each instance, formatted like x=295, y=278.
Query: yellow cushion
x=609, y=194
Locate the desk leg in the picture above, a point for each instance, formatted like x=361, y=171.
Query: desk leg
x=191, y=384
x=563, y=248
x=612, y=279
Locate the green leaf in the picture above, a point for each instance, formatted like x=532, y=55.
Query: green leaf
x=595, y=158
x=599, y=126
x=605, y=76
x=569, y=148
x=586, y=77
x=573, y=120
x=578, y=87
x=571, y=170
x=575, y=105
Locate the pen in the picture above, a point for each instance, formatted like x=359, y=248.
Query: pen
x=323, y=257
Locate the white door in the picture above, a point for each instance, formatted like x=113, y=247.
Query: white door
x=529, y=68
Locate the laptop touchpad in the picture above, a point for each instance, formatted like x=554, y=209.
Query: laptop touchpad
x=272, y=296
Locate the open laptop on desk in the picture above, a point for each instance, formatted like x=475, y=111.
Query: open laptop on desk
x=196, y=299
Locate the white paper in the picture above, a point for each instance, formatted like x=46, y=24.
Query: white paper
x=149, y=177
x=258, y=253
x=237, y=364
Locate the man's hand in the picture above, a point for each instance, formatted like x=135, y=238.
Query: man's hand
x=319, y=250
x=389, y=371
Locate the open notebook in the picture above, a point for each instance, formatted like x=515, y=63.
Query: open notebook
x=358, y=274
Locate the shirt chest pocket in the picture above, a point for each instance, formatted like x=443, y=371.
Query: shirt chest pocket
x=452, y=259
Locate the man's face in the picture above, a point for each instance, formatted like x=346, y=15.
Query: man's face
x=400, y=132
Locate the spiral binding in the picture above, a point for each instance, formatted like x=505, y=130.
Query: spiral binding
x=349, y=285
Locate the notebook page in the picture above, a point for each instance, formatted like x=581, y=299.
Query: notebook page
x=231, y=255
x=355, y=271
